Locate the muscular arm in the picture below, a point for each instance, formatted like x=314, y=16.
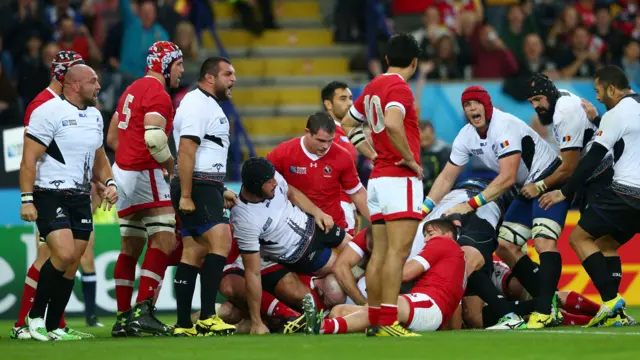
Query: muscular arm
x=253, y=280
x=359, y=198
x=300, y=200
x=444, y=182
x=347, y=259
x=355, y=132
x=112, y=133
x=412, y=270
x=570, y=159
x=186, y=162
x=505, y=179
x=31, y=153
x=394, y=125
x=157, y=141
x=101, y=168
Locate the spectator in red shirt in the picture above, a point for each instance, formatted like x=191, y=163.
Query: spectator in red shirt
x=585, y=8
x=70, y=39
x=491, y=58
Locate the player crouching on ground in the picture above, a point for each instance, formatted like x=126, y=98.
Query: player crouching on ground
x=441, y=281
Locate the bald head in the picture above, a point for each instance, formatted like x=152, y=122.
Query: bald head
x=81, y=82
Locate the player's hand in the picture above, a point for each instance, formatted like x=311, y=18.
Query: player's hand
x=459, y=209
x=413, y=165
x=259, y=329
x=110, y=197
x=230, y=199
x=324, y=221
x=28, y=212
x=186, y=205
x=530, y=191
x=588, y=108
x=551, y=198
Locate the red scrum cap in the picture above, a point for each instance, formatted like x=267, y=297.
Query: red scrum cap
x=161, y=56
x=479, y=94
x=62, y=62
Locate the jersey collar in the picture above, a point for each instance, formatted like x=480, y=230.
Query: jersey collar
x=311, y=156
x=65, y=99
x=209, y=95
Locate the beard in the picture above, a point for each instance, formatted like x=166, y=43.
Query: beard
x=545, y=115
x=221, y=94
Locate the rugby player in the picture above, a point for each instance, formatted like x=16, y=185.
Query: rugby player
x=145, y=118
x=395, y=186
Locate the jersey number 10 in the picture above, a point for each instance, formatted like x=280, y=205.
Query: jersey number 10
x=126, y=112
x=376, y=121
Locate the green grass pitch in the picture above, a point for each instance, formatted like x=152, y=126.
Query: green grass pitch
x=557, y=343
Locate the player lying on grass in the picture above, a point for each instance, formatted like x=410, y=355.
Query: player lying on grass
x=441, y=281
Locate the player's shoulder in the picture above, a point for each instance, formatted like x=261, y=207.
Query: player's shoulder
x=467, y=131
x=568, y=102
x=290, y=147
x=53, y=103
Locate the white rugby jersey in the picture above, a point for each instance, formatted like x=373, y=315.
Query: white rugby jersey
x=278, y=229
x=623, y=123
x=200, y=117
x=507, y=135
x=72, y=136
x=490, y=212
x=571, y=127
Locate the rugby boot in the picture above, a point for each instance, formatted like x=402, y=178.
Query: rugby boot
x=294, y=325
x=558, y=318
x=395, y=330
x=92, y=321
x=540, y=321
x=371, y=330
x=607, y=310
x=509, y=322
x=80, y=334
x=38, y=329
x=144, y=321
x=61, y=335
x=20, y=333
x=119, y=328
x=214, y=326
x=627, y=320
x=313, y=320
x=185, y=332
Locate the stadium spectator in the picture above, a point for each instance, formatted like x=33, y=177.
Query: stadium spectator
x=560, y=33
x=545, y=14
x=140, y=32
x=586, y=10
x=427, y=35
x=491, y=58
x=247, y=10
x=630, y=61
x=627, y=17
x=9, y=114
x=434, y=154
x=168, y=18
x=445, y=63
x=60, y=9
x=185, y=38
x=33, y=68
x=534, y=61
x=613, y=38
x=70, y=39
x=518, y=26
x=580, y=60
x=21, y=20
x=467, y=23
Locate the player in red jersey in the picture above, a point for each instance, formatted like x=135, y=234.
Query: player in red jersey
x=337, y=99
x=59, y=66
x=440, y=270
x=145, y=118
x=319, y=169
x=395, y=187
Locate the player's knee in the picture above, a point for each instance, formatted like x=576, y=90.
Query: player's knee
x=64, y=258
x=546, y=229
x=193, y=254
x=545, y=245
x=132, y=246
x=514, y=233
x=219, y=239
x=608, y=246
x=227, y=288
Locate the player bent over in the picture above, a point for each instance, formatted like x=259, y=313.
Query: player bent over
x=441, y=281
x=63, y=151
x=145, y=118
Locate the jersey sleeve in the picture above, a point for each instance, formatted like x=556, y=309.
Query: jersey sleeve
x=400, y=96
x=192, y=126
x=508, y=142
x=282, y=182
x=349, y=176
x=610, y=131
x=277, y=157
x=570, y=130
x=41, y=127
x=158, y=103
x=357, y=111
x=359, y=243
x=432, y=252
x=459, y=153
x=246, y=234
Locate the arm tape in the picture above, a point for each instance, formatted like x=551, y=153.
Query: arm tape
x=156, y=141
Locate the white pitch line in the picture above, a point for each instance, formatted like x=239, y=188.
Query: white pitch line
x=577, y=332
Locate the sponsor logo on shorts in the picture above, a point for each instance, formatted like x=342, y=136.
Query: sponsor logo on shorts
x=86, y=221
x=59, y=213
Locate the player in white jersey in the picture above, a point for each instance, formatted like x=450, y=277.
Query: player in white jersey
x=277, y=222
x=201, y=133
x=612, y=216
x=63, y=150
x=508, y=146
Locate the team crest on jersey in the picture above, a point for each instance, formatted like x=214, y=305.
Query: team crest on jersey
x=298, y=170
x=327, y=171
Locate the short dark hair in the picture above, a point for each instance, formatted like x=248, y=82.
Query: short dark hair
x=211, y=66
x=321, y=121
x=612, y=75
x=329, y=90
x=424, y=124
x=443, y=225
x=402, y=49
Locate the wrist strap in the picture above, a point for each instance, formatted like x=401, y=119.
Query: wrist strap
x=541, y=186
x=427, y=206
x=477, y=201
x=26, y=197
x=111, y=182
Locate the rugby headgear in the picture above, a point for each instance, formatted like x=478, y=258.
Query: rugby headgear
x=479, y=94
x=255, y=172
x=62, y=62
x=161, y=56
x=540, y=84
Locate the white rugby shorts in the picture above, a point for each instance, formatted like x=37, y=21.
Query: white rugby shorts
x=393, y=198
x=139, y=190
x=424, y=313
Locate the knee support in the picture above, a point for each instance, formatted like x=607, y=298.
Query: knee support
x=514, y=233
x=546, y=229
x=133, y=228
x=159, y=223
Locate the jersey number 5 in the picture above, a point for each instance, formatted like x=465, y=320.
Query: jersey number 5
x=374, y=113
x=126, y=112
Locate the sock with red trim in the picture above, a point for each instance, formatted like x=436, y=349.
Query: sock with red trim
x=153, y=268
x=272, y=307
x=334, y=326
x=124, y=274
x=28, y=294
x=574, y=319
x=374, y=315
x=580, y=305
x=388, y=314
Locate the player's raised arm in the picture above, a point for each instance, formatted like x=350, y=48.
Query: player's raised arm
x=348, y=258
x=157, y=141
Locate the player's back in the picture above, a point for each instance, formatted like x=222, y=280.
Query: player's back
x=42, y=97
x=145, y=96
x=383, y=92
